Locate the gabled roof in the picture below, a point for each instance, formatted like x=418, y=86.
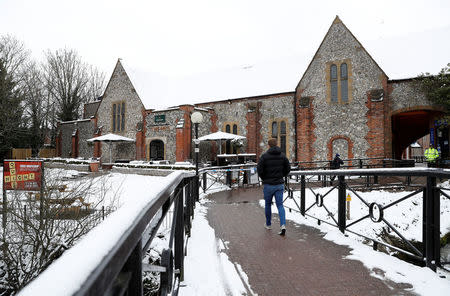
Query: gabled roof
x=337, y=20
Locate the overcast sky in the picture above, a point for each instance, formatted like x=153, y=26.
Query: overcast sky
x=203, y=50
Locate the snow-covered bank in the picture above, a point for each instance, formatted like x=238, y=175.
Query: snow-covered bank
x=208, y=270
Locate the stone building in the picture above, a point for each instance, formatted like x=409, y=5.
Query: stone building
x=344, y=103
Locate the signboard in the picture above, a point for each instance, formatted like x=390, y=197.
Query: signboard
x=432, y=135
x=160, y=118
x=22, y=175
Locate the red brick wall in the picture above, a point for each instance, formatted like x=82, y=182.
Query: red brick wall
x=305, y=131
x=330, y=148
x=184, y=137
x=140, y=139
x=379, y=136
x=254, y=130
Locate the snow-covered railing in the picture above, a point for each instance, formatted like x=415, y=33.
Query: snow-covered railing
x=108, y=260
x=231, y=175
x=333, y=209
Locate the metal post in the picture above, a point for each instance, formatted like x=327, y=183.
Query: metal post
x=204, y=182
x=341, y=204
x=432, y=225
x=197, y=150
x=179, y=236
x=134, y=266
x=302, y=195
x=228, y=180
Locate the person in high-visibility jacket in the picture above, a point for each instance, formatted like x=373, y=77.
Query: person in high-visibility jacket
x=431, y=155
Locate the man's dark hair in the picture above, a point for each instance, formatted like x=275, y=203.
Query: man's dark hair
x=272, y=142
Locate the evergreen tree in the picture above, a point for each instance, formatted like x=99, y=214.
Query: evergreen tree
x=437, y=87
x=12, y=131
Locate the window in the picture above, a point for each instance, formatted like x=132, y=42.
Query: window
x=279, y=132
x=118, y=117
x=232, y=128
x=344, y=83
x=333, y=82
x=283, y=136
x=338, y=82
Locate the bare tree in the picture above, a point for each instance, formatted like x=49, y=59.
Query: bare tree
x=41, y=228
x=14, y=55
x=70, y=82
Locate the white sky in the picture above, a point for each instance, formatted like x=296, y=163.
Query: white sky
x=201, y=50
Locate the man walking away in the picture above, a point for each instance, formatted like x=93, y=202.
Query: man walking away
x=273, y=166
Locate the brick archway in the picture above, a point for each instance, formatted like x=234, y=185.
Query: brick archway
x=410, y=124
x=349, y=147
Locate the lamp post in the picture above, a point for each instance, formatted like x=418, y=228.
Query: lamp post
x=196, y=118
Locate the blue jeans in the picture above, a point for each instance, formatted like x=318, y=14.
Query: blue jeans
x=277, y=191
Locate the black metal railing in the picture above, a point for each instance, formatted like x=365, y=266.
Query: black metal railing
x=120, y=272
x=355, y=163
x=422, y=182
x=232, y=176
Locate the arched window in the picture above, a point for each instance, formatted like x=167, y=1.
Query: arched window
x=118, y=117
x=333, y=83
x=235, y=129
x=228, y=143
x=274, y=129
x=283, y=136
x=344, y=82
x=114, y=118
x=279, y=132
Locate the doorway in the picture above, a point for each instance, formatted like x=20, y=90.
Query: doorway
x=156, y=150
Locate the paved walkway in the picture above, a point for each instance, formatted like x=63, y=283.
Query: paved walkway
x=301, y=263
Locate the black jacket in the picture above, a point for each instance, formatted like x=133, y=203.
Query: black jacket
x=273, y=166
x=336, y=163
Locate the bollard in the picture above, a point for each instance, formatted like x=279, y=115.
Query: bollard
x=349, y=198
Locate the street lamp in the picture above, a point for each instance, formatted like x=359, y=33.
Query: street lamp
x=196, y=118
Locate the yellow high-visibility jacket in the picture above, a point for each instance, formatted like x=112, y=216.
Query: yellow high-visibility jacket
x=431, y=154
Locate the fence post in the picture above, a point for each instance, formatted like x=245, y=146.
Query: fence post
x=179, y=235
x=228, y=181
x=432, y=222
x=341, y=204
x=204, y=182
x=134, y=266
x=188, y=209
x=302, y=195
x=360, y=164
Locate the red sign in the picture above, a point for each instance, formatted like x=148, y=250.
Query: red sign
x=22, y=175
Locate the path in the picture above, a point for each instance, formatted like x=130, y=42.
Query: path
x=301, y=263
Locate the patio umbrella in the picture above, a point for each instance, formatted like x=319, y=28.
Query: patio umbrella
x=111, y=138
x=220, y=136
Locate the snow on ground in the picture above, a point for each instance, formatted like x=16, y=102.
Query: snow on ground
x=136, y=193
x=208, y=270
x=406, y=216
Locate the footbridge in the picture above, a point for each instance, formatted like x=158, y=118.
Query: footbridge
x=301, y=263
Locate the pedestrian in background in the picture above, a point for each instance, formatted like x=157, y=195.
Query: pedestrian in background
x=273, y=166
x=431, y=155
x=334, y=165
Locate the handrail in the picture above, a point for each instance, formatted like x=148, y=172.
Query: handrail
x=120, y=254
